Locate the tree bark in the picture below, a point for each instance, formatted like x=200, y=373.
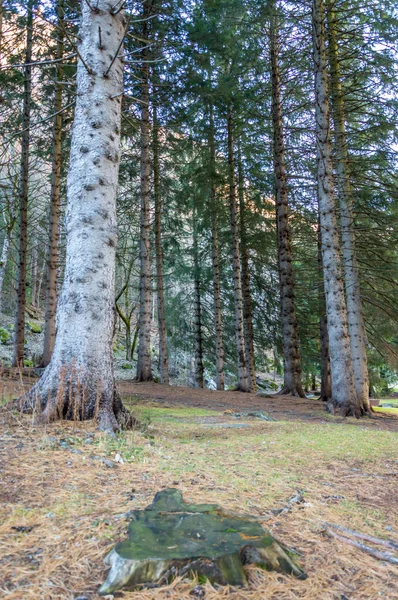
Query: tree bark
x=220, y=377
x=18, y=356
x=344, y=398
x=238, y=300
x=144, y=371
x=1, y=32
x=326, y=382
x=55, y=199
x=292, y=371
x=356, y=327
x=163, y=355
x=79, y=381
x=3, y=263
x=247, y=299
x=34, y=272
x=198, y=312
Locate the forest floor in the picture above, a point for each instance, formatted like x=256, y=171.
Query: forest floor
x=63, y=497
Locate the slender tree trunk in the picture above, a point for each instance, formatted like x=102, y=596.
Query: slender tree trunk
x=356, y=327
x=34, y=273
x=39, y=284
x=19, y=339
x=79, y=381
x=198, y=312
x=239, y=332
x=144, y=371
x=220, y=377
x=3, y=264
x=163, y=356
x=1, y=31
x=344, y=398
x=247, y=299
x=290, y=340
x=55, y=199
x=326, y=382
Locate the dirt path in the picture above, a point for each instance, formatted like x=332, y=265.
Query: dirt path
x=280, y=408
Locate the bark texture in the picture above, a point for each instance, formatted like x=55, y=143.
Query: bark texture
x=18, y=355
x=220, y=376
x=163, y=355
x=236, y=272
x=3, y=263
x=144, y=369
x=326, y=381
x=198, y=309
x=356, y=327
x=79, y=381
x=344, y=398
x=53, y=238
x=292, y=371
x=247, y=298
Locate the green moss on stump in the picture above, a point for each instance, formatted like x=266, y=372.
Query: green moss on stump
x=171, y=537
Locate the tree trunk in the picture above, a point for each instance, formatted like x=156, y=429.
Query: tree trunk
x=144, y=371
x=34, y=273
x=3, y=264
x=39, y=284
x=247, y=300
x=198, y=311
x=55, y=199
x=163, y=356
x=1, y=32
x=19, y=339
x=220, y=377
x=344, y=398
x=79, y=381
x=239, y=334
x=356, y=327
x=326, y=382
x=290, y=341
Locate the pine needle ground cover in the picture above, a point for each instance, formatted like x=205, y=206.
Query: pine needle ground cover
x=64, y=498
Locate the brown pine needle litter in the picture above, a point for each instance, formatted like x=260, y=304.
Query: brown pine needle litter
x=64, y=499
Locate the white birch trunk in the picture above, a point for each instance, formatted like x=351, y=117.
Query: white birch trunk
x=79, y=381
x=344, y=398
x=356, y=327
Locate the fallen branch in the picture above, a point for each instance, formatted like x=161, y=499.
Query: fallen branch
x=297, y=499
x=374, y=476
x=258, y=414
x=365, y=536
x=386, y=556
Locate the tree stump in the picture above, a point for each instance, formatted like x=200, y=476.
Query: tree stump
x=170, y=538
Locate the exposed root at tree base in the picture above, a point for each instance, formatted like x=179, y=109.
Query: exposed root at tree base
x=55, y=398
x=286, y=391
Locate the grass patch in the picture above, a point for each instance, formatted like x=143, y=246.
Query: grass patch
x=76, y=504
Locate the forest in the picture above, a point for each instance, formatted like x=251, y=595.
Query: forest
x=198, y=255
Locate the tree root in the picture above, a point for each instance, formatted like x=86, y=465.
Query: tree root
x=287, y=391
x=66, y=395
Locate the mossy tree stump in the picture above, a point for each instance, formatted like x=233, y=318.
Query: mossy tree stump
x=172, y=538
